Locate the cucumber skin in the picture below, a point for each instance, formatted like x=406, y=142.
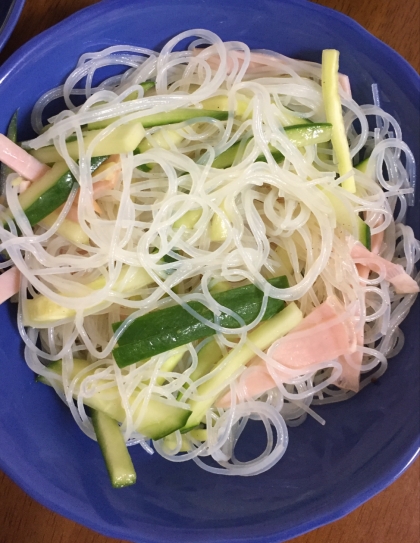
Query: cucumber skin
x=56, y=195
x=362, y=165
x=114, y=450
x=144, y=337
x=365, y=235
x=170, y=117
x=50, y=200
x=300, y=135
x=147, y=85
x=152, y=427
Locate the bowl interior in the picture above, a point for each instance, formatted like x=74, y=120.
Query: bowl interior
x=327, y=471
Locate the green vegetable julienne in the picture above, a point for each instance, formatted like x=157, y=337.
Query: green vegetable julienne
x=165, y=329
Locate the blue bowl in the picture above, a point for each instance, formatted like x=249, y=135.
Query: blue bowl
x=9, y=15
x=327, y=471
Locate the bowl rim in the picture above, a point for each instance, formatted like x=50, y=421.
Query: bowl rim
x=9, y=23
x=318, y=519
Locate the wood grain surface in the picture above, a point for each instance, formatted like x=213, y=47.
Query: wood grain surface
x=391, y=517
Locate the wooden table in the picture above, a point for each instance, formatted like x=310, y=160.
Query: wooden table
x=392, y=516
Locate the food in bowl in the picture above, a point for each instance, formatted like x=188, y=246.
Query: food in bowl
x=212, y=236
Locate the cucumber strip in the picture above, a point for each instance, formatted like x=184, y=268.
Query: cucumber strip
x=332, y=104
x=41, y=312
x=165, y=329
x=72, y=231
x=309, y=134
x=349, y=219
x=143, y=167
x=169, y=117
x=221, y=103
x=51, y=191
x=200, y=434
x=147, y=85
x=208, y=356
x=159, y=139
x=170, y=364
x=181, y=115
x=189, y=219
x=114, y=450
x=221, y=286
x=262, y=337
x=218, y=228
x=289, y=118
x=160, y=419
x=362, y=166
x=364, y=234
x=300, y=135
x=151, y=323
x=225, y=159
x=170, y=442
x=123, y=139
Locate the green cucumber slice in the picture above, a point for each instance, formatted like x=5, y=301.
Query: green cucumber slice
x=123, y=139
x=51, y=191
x=300, y=135
x=165, y=329
x=309, y=134
x=208, y=356
x=349, y=220
x=362, y=166
x=169, y=117
x=364, y=233
x=160, y=418
x=114, y=450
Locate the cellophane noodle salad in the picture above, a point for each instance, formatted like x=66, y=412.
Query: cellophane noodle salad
x=245, y=200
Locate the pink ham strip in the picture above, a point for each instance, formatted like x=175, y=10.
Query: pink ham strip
x=9, y=284
x=350, y=378
x=351, y=363
x=376, y=242
x=325, y=334
x=99, y=188
x=254, y=381
x=20, y=161
x=261, y=62
x=366, y=261
x=394, y=273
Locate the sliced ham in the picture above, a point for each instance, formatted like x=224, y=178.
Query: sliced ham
x=99, y=188
x=394, y=273
x=9, y=284
x=376, y=242
x=20, y=161
x=350, y=379
x=325, y=334
x=365, y=262
x=254, y=381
